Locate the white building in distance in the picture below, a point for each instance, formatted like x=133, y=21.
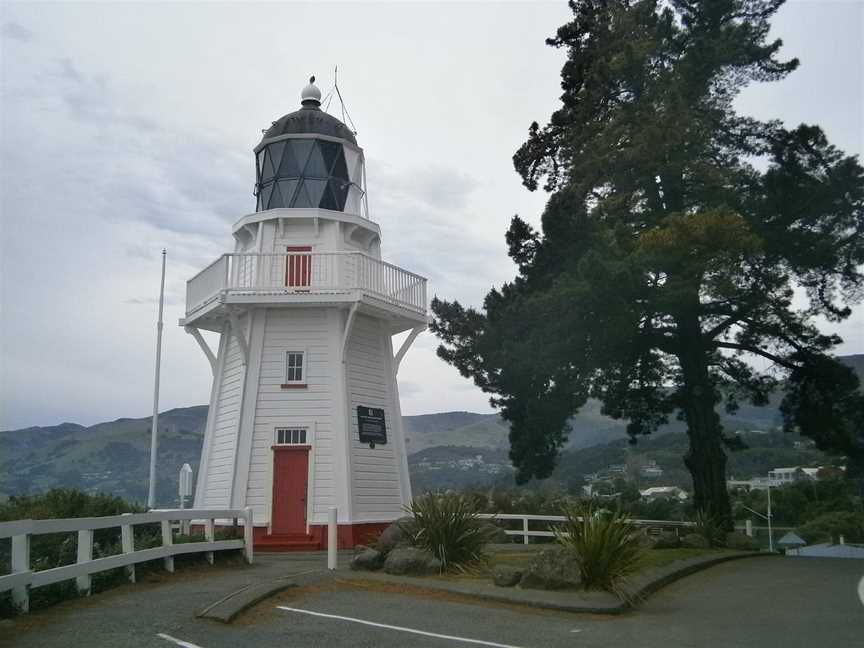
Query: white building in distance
x=304, y=410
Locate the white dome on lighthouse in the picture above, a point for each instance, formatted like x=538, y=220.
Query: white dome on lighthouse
x=311, y=92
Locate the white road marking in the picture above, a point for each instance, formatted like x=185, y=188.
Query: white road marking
x=397, y=628
x=175, y=640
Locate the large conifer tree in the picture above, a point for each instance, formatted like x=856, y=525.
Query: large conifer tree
x=685, y=253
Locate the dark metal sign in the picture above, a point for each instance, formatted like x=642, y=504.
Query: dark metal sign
x=371, y=425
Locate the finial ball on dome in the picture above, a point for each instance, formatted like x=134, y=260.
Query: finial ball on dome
x=311, y=93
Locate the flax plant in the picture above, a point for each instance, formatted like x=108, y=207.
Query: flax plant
x=606, y=545
x=450, y=528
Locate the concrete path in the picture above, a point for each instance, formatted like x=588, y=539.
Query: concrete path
x=786, y=602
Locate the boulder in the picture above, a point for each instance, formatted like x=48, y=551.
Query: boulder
x=395, y=535
x=666, y=541
x=367, y=559
x=551, y=569
x=740, y=541
x=505, y=576
x=694, y=541
x=411, y=561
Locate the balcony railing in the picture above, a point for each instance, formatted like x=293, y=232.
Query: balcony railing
x=305, y=273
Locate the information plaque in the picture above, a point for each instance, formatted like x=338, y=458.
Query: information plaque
x=371, y=425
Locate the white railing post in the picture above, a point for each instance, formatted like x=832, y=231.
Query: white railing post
x=209, y=536
x=248, y=535
x=525, y=530
x=127, y=541
x=21, y=564
x=167, y=541
x=85, y=555
x=332, y=536
x=748, y=527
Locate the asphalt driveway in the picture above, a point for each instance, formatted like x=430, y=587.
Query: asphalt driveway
x=762, y=602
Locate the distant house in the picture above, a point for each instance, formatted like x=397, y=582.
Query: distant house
x=664, y=492
x=650, y=470
x=787, y=475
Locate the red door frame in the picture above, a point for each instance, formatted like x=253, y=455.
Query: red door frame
x=290, y=489
x=298, y=267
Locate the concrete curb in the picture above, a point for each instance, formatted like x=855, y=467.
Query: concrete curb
x=228, y=608
x=565, y=601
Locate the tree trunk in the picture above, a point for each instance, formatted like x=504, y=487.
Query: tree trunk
x=706, y=458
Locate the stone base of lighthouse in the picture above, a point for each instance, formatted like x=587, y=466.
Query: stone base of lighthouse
x=283, y=431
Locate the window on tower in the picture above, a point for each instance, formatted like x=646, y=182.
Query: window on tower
x=306, y=173
x=294, y=369
x=290, y=436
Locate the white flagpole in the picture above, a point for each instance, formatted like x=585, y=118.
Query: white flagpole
x=154, y=429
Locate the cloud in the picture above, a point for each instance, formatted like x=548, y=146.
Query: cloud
x=16, y=31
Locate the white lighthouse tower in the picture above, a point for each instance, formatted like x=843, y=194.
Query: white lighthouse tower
x=304, y=410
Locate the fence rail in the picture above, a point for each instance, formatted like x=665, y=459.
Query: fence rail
x=525, y=532
x=23, y=577
x=305, y=273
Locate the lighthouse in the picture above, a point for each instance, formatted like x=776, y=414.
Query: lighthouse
x=304, y=408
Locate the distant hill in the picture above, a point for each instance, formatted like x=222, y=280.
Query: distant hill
x=443, y=449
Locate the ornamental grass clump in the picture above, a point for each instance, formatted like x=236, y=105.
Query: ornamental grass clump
x=606, y=545
x=450, y=528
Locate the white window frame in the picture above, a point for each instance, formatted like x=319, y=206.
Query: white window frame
x=304, y=366
x=296, y=435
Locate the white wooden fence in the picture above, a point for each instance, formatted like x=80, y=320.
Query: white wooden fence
x=23, y=577
x=526, y=532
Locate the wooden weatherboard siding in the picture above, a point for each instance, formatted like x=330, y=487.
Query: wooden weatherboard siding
x=286, y=330
x=376, y=490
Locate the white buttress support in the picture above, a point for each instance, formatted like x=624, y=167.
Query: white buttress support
x=417, y=330
x=248, y=406
x=239, y=335
x=398, y=433
x=346, y=334
x=204, y=465
x=195, y=333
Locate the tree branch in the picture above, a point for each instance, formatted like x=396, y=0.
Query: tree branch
x=757, y=351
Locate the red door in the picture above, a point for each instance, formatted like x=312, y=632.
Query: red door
x=290, y=473
x=298, y=269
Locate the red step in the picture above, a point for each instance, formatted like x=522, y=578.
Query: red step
x=287, y=542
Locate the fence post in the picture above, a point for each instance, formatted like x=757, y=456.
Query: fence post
x=85, y=555
x=748, y=527
x=248, y=535
x=167, y=541
x=21, y=563
x=209, y=536
x=127, y=540
x=525, y=530
x=332, y=539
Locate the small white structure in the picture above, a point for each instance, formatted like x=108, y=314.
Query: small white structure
x=665, y=492
x=304, y=411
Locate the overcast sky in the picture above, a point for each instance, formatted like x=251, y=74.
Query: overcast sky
x=126, y=128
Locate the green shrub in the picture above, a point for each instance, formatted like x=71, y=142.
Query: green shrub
x=449, y=527
x=830, y=526
x=606, y=545
x=710, y=528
